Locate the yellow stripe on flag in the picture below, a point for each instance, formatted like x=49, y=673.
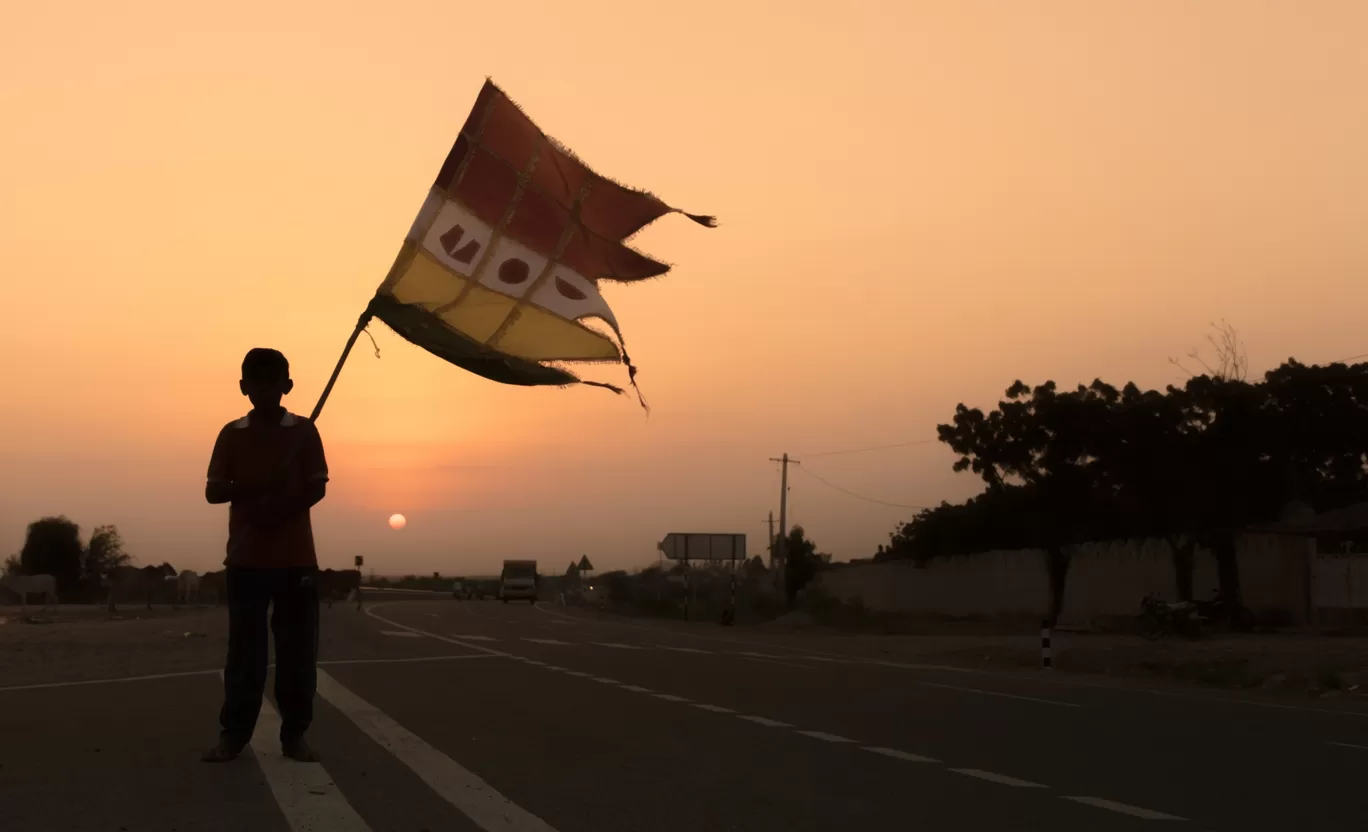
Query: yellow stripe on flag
x=537, y=335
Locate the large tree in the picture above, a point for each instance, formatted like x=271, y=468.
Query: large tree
x=1194, y=464
x=103, y=554
x=801, y=561
x=53, y=547
x=1044, y=443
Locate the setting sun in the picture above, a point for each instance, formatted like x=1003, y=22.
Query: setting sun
x=397, y=521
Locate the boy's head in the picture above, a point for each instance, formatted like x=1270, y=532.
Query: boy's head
x=265, y=377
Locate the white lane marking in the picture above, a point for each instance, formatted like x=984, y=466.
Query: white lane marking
x=1000, y=694
x=775, y=661
x=475, y=798
x=939, y=667
x=717, y=709
x=553, y=667
x=683, y=649
x=799, y=653
x=997, y=778
x=900, y=755
x=606, y=681
x=410, y=659
x=546, y=641
x=669, y=697
x=152, y=677
x=580, y=673
x=400, y=634
x=823, y=735
x=1133, y=811
x=1350, y=745
x=637, y=689
x=187, y=673
x=793, y=652
x=760, y=720
x=615, y=645
x=306, y=794
x=536, y=663
x=472, y=637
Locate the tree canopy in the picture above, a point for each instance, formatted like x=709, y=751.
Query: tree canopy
x=1197, y=463
x=52, y=546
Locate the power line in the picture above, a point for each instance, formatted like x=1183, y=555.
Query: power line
x=850, y=493
x=876, y=448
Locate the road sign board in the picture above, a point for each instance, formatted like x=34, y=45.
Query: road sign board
x=359, y=560
x=690, y=546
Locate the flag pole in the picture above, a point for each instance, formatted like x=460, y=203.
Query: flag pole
x=361, y=324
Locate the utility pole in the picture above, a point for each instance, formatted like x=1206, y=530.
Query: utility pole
x=771, y=540
x=782, y=540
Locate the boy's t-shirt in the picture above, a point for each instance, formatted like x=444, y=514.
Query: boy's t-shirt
x=251, y=452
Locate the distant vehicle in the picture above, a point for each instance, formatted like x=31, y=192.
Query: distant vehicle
x=518, y=581
x=458, y=590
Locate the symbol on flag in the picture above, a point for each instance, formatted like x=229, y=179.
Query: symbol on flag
x=502, y=267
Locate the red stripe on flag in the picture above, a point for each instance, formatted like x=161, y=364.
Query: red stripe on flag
x=499, y=141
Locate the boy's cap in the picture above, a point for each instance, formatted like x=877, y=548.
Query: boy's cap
x=264, y=363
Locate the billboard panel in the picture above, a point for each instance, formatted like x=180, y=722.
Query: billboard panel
x=698, y=546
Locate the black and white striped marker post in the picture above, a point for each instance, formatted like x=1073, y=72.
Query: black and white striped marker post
x=1046, y=654
x=731, y=602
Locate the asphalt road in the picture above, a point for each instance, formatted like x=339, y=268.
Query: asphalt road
x=451, y=715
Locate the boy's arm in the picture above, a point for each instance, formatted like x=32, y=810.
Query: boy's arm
x=221, y=487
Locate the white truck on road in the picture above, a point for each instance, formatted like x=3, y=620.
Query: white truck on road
x=518, y=581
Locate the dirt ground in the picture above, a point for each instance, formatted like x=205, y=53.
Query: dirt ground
x=71, y=643
x=75, y=643
x=1296, y=664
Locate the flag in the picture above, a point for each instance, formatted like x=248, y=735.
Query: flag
x=502, y=267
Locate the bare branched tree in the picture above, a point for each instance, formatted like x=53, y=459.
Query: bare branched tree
x=1231, y=360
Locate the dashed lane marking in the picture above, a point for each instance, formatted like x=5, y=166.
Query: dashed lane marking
x=472, y=637
x=406, y=660
x=606, y=681
x=1000, y=779
x=1133, y=811
x=615, y=645
x=1350, y=745
x=554, y=641
x=760, y=720
x=998, y=694
x=823, y=735
x=775, y=661
x=892, y=753
x=475, y=798
x=400, y=634
x=900, y=755
x=683, y=649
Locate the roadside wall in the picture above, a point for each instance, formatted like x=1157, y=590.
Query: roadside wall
x=1106, y=580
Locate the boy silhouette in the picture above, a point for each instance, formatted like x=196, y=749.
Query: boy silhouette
x=269, y=466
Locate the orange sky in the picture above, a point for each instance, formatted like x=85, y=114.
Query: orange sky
x=920, y=202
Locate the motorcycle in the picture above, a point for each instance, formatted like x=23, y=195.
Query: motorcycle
x=1158, y=618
